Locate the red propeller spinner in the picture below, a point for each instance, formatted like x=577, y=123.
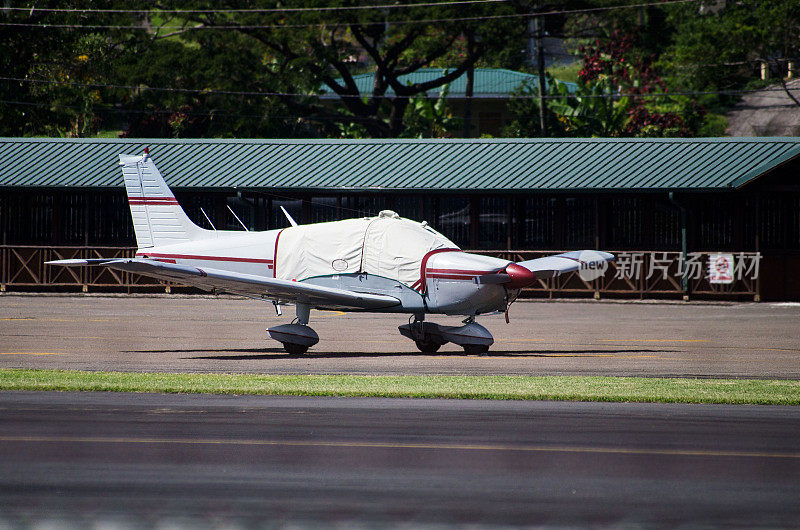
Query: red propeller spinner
x=519, y=276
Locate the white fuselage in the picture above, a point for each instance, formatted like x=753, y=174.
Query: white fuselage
x=447, y=281
x=244, y=252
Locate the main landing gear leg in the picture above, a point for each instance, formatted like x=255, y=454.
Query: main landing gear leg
x=296, y=337
x=426, y=342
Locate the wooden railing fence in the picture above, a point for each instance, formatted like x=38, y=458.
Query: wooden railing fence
x=635, y=274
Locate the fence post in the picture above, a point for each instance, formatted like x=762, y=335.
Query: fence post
x=684, y=245
x=757, y=280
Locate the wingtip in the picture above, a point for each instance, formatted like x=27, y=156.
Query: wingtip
x=67, y=262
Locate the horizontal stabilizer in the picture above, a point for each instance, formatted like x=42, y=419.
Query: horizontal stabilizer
x=81, y=262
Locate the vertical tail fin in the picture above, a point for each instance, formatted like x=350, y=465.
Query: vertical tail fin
x=158, y=219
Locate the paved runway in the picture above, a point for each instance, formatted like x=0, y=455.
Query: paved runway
x=172, y=333
x=189, y=460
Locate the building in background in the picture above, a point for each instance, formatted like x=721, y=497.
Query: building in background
x=492, y=88
x=666, y=206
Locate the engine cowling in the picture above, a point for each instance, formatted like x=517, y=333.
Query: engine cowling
x=455, y=283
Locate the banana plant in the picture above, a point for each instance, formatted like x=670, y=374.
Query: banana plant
x=596, y=109
x=430, y=118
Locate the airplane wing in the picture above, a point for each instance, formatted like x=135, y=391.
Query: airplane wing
x=550, y=266
x=244, y=284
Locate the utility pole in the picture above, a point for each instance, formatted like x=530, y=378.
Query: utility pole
x=538, y=24
x=468, y=92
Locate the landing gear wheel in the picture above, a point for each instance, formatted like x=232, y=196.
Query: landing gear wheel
x=427, y=346
x=474, y=349
x=294, y=349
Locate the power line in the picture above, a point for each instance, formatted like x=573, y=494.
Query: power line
x=158, y=89
x=298, y=26
x=728, y=92
x=211, y=114
x=252, y=10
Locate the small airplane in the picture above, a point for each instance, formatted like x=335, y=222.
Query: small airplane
x=384, y=264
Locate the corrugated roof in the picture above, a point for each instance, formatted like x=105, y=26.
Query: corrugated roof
x=414, y=165
x=488, y=83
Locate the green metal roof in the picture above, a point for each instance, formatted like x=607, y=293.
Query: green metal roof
x=488, y=83
x=467, y=165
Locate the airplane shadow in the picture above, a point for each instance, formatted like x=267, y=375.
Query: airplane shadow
x=242, y=353
x=222, y=350
x=239, y=354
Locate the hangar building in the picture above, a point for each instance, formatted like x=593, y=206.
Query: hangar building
x=668, y=207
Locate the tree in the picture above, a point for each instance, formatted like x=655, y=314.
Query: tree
x=48, y=68
x=724, y=48
x=275, y=61
x=430, y=118
x=216, y=87
x=619, y=94
x=617, y=64
x=306, y=50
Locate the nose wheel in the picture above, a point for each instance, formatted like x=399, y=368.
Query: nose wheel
x=476, y=349
x=294, y=349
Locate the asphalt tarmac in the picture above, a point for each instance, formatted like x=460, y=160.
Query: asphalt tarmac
x=127, y=460
x=225, y=334
x=133, y=460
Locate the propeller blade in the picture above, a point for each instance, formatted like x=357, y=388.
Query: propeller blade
x=550, y=266
x=525, y=273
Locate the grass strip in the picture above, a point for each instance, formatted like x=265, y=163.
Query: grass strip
x=640, y=389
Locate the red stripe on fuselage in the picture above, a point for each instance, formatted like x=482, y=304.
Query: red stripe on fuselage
x=208, y=258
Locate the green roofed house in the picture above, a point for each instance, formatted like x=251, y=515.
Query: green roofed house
x=662, y=205
x=491, y=90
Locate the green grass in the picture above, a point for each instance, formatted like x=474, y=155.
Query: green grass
x=773, y=392
x=108, y=133
x=713, y=125
x=567, y=73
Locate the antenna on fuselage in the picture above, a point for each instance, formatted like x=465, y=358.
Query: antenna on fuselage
x=207, y=219
x=237, y=217
x=289, y=217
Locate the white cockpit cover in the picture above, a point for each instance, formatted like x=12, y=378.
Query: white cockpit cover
x=386, y=246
